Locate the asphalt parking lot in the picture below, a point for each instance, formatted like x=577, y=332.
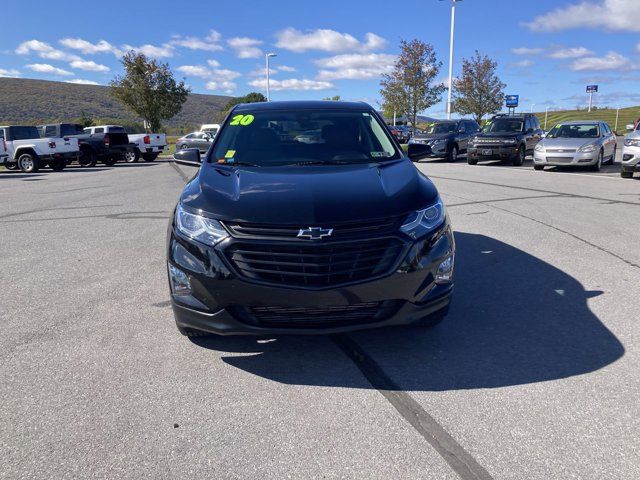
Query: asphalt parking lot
x=534, y=374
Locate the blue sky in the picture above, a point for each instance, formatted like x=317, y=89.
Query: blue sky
x=547, y=50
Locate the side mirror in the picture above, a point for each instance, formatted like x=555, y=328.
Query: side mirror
x=188, y=156
x=416, y=151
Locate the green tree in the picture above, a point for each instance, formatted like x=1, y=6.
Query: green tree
x=335, y=98
x=253, y=97
x=479, y=90
x=411, y=87
x=85, y=120
x=149, y=90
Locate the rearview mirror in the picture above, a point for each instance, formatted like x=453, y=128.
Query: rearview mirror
x=416, y=151
x=188, y=156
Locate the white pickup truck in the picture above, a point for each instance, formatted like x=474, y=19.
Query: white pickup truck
x=28, y=152
x=148, y=145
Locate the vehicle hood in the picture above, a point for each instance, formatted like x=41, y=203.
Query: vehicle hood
x=435, y=136
x=634, y=134
x=309, y=195
x=568, y=143
x=497, y=135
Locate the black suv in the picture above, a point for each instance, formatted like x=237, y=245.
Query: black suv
x=506, y=137
x=286, y=233
x=447, y=139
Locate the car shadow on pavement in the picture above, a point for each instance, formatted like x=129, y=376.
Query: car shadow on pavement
x=514, y=320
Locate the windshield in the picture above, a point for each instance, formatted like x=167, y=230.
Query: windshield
x=447, y=127
x=503, y=125
x=585, y=130
x=277, y=137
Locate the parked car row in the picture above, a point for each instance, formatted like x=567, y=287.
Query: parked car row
x=588, y=144
x=57, y=145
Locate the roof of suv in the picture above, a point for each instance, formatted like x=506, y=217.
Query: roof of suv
x=301, y=105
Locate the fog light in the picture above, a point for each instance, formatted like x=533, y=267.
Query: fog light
x=445, y=271
x=179, y=281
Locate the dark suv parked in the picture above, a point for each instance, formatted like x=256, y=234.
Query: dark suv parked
x=286, y=233
x=447, y=139
x=506, y=137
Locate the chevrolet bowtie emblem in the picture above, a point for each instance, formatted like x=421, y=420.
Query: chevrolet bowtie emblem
x=315, y=233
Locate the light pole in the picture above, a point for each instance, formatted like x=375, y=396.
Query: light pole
x=453, y=24
x=617, y=115
x=267, y=56
x=532, y=105
x=546, y=114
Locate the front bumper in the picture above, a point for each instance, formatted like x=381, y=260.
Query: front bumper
x=492, y=152
x=223, y=303
x=565, y=159
x=437, y=151
x=631, y=159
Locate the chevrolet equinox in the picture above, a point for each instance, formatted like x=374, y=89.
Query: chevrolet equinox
x=307, y=217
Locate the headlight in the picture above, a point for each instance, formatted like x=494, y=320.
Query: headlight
x=204, y=230
x=587, y=148
x=539, y=148
x=510, y=141
x=632, y=142
x=424, y=221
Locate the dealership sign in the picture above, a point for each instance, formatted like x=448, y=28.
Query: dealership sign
x=511, y=101
x=592, y=88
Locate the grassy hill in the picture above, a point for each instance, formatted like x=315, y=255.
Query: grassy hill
x=627, y=115
x=28, y=101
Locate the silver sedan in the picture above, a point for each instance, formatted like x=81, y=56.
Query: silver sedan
x=584, y=144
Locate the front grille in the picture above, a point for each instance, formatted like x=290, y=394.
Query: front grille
x=493, y=141
x=561, y=150
x=340, y=230
x=314, y=265
x=317, y=317
x=560, y=159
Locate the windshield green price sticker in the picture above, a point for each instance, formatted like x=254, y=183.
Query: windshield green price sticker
x=242, y=120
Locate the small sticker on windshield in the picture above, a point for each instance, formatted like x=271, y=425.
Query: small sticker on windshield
x=380, y=154
x=230, y=154
x=242, y=120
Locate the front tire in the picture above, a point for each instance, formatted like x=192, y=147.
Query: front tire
x=87, y=158
x=149, y=157
x=538, y=167
x=472, y=161
x=132, y=156
x=519, y=160
x=626, y=174
x=28, y=163
x=453, y=154
x=11, y=166
x=598, y=165
x=109, y=161
x=612, y=160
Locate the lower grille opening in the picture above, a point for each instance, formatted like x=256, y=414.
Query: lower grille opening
x=317, y=317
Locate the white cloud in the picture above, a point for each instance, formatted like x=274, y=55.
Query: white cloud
x=355, y=66
x=80, y=81
x=286, y=68
x=527, y=51
x=164, y=51
x=11, y=72
x=575, y=52
x=601, y=14
x=210, y=43
x=291, y=84
x=89, y=65
x=46, y=68
x=524, y=63
x=44, y=50
x=611, y=61
x=221, y=86
x=213, y=63
x=245, y=47
x=90, y=48
x=195, y=71
x=326, y=40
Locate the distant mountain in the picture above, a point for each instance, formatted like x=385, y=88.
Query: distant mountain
x=34, y=101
